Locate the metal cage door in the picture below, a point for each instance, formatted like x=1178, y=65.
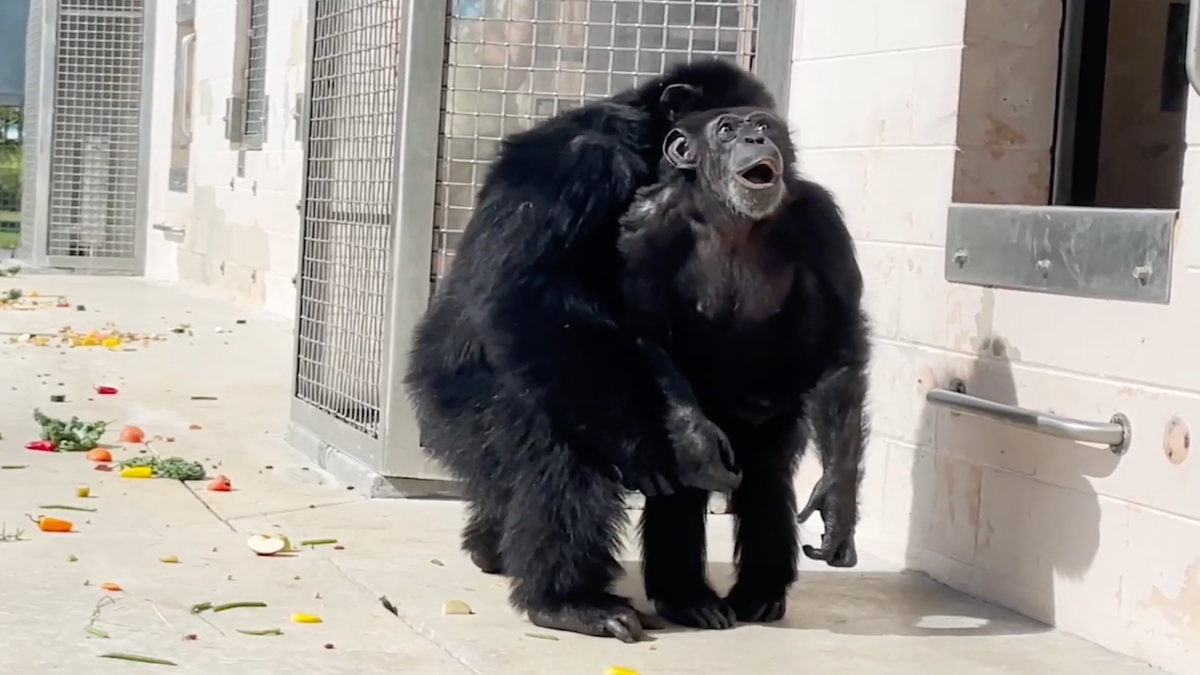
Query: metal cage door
x=91, y=99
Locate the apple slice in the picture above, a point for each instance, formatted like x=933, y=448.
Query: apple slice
x=267, y=544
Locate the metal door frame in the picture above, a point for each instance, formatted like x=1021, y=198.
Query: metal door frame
x=396, y=452
x=45, y=140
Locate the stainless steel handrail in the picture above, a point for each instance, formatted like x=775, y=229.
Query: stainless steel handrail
x=169, y=229
x=1115, y=433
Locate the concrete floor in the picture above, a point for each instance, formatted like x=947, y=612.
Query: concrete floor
x=874, y=619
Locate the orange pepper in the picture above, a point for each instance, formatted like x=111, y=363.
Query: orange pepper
x=110, y=586
x=48, y=524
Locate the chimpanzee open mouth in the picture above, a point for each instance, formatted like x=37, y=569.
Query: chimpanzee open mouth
x=761, y=174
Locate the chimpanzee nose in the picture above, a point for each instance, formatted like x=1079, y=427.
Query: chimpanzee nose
x=755, y=140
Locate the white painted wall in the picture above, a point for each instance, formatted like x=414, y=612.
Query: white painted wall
x=242, y=233
x=1064, y=533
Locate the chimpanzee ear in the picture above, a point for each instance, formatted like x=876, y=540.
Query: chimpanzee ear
x=677, y=100
x=677, y=148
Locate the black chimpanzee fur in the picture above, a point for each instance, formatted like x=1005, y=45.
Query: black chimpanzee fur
x=525, y=386
x=745, y=274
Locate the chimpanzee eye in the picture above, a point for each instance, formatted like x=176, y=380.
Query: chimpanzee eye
x=725, y=129
x=761, y=126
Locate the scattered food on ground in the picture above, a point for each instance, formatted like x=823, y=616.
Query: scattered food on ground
x=99, y=455
x=269, y=544
x=132, y=434
x=66, y=507
x=137, y=472
x=110, y=586
x=173, y=468
x=139, y=658
x=169, y=559
x=542, y=636
x=265, y=631
x=48, y=524
x=220, y=484
x=456, y=608
x=318, y=542
x=620, y=670
x=83, y=492
x=238, y=605
x=73, y=435
x=437, y=562
x=105, y=390
x=306, y=618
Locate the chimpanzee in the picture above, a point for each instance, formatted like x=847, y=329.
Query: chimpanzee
x=525, y=384
x=745, y=274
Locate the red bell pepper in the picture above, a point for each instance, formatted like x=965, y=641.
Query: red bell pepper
x=102, y=389
x=41, y=446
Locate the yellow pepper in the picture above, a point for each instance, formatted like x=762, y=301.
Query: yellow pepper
x=306, y=618
x=619, y=670
x=137, y=472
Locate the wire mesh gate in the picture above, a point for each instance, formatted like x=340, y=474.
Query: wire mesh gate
x=386, y=199
x=87, y=98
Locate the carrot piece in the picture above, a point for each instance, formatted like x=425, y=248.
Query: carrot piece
x=110, y=586
x=99, y=455
x=132, y=434
x=220, y=484
x=48, y=524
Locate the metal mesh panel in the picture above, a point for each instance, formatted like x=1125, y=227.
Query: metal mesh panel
x=348, y=208
x=513, y=62
x=97, y=129
x=256, y=71
x=34, y=123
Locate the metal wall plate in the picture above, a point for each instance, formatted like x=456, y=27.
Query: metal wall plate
x=1112, y=254
x=235, y=119
x=185, y=10
x=177, y=179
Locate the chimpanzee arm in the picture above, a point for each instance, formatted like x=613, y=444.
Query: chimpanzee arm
x=837, y=405
x=840, y=428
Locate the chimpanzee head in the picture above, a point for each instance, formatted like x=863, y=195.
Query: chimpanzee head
x=739, y=155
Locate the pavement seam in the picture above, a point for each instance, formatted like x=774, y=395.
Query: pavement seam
x=471, y=663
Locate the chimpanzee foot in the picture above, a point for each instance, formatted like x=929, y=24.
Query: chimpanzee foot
x=705, y=610
x=618, y=620
x=756, y=606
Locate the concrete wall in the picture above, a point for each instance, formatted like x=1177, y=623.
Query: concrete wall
x=900, y=108
x=241, y=232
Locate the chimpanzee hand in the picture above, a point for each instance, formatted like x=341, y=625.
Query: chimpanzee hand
x=838, y=507
x=703, y=455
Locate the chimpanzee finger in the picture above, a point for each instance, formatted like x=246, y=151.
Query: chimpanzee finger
x=813, y=553
x=816, y=503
